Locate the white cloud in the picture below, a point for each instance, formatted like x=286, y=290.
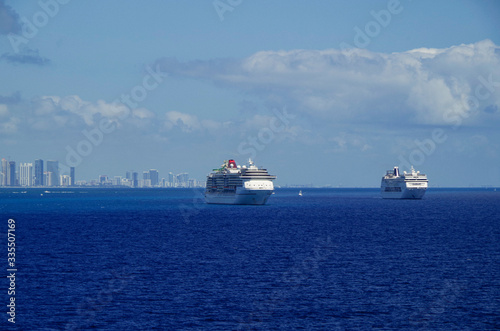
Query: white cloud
x=344, y=142
x=143, y=113
x=9, y=126
x=424, y=53
x=186, y=122
x=49, y=112
x=4, y=111
x=419, y=86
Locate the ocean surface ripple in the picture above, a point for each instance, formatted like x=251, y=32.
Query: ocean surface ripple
x=333, y=259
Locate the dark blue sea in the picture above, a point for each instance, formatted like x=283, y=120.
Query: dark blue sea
x=333, y=259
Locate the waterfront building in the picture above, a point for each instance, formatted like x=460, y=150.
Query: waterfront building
x=47, y=177
x=39, y=173
x=153, y=177
x=5, y=166
x=26, y=174
x=172, y=180
x=182, y=179
x=11, y=174
x=135, y=179
x=65, y=180
x=72, y=179
x=103, y=179
x=53, y=167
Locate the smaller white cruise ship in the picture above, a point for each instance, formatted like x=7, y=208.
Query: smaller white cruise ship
x=403, y=186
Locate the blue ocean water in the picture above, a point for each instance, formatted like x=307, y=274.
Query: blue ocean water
x=333, y=259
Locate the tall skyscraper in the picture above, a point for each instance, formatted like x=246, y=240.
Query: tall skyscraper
x=39, y=173
x=103, y=179
x=153, y=176
x=135, y=179
x=72, y=176
x=53, y=167
x=48, y=178
x=65, y=180
x=11, y=174
x=117, y=181
x=5, y=166
x=146, y=181
x=182, y=179
x=26, y=174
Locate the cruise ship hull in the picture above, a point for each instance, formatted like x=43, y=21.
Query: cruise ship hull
x=416, y=193
x=242, y=197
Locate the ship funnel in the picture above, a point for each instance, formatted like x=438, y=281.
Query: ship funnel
x=232, y=164
x=396, y=171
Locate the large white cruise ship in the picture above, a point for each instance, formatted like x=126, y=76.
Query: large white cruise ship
x=239, y=185
x=407, y=186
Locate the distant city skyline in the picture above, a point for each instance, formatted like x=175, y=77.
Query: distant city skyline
x=32, y=175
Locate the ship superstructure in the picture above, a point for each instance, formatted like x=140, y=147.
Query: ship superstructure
x=244, y=185
x=410, y=185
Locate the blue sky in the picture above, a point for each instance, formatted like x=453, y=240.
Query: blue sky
x=319, y=92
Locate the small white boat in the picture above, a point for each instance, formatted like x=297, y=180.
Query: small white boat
x=300, y=193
